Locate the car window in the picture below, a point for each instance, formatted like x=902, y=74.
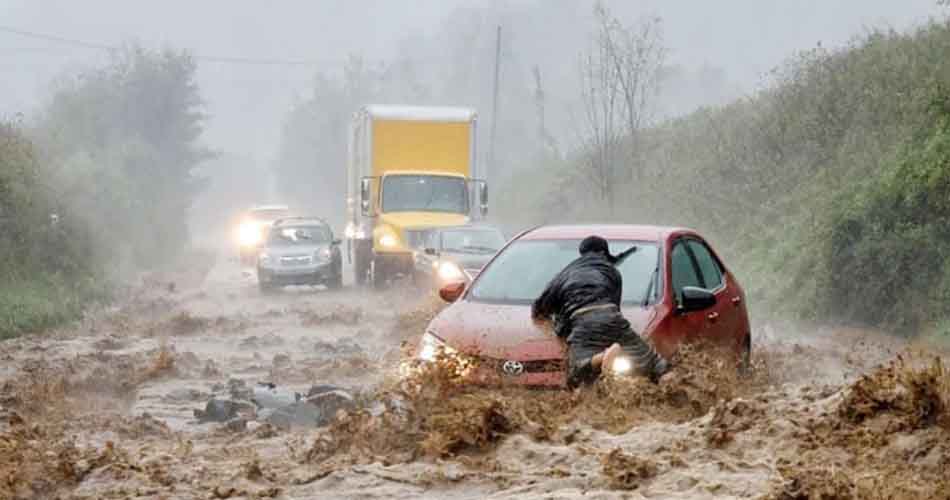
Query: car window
x=684, y=272
x=299, y=235
x=522, y=270
x=712, y=274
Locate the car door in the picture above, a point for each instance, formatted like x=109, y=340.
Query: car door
x=721, y=318
x=684, y=272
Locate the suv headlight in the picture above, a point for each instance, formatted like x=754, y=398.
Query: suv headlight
x=249, y=234
x=430, y=345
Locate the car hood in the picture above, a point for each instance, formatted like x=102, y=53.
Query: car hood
x=467, y=260
x=505, y=331
x=294, y=250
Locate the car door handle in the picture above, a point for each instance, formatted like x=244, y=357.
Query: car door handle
x=737, y=300
x=713, y=316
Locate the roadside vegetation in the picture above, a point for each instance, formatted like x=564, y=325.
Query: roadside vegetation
x=830, y=187
x=97, y=185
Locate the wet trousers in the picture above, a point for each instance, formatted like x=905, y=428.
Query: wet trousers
x=593, y=332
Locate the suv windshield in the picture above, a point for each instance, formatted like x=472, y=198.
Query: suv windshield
x=424, y=193
x=472, y=241
x=298, y=235
x=520, y=273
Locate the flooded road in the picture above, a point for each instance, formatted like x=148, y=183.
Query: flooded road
x=181, y=390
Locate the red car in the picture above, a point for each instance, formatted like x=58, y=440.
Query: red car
x=675, y=288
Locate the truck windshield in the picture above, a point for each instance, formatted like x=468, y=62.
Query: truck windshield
x=424, y=193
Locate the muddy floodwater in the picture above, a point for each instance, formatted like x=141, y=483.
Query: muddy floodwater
x=150, y=399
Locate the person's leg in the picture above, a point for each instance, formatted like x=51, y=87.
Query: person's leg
x=646, y=361
x=580, y=366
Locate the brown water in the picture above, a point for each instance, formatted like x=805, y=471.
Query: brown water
x=104, y=409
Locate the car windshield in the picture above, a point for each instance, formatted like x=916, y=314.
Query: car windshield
x=424, y=193
x=472, y=241
x=520, y=273
x=299, y=235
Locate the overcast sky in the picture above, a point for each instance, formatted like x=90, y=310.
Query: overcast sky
x=247, y=102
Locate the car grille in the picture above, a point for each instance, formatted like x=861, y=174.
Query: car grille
x=298, y=260
x=538, y=366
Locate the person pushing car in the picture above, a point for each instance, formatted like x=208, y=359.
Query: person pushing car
x=584, y=299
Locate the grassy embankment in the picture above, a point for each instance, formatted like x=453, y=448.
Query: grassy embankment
x=828, y=190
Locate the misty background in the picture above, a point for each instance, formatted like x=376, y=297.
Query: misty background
x=290, y=57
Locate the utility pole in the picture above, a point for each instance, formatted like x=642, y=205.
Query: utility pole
x=494, y=107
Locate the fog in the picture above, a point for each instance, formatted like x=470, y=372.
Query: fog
x=722, y=50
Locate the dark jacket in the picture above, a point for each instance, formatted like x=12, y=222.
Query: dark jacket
x=589, y=280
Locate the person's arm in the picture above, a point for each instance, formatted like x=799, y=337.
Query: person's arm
x=547, y=303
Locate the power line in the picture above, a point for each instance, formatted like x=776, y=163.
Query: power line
x=209, y=58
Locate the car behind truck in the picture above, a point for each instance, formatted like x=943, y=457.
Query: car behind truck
x=409, y=169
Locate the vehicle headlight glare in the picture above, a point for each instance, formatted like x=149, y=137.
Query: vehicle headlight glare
x=450, y=271
x=249, y=234
x=430, y=346
x=621, y=365
x=322, y=254
x=387, y=240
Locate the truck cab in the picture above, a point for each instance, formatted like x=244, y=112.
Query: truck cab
x=410, y=169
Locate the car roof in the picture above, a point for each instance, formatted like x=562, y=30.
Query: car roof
x=607, y=231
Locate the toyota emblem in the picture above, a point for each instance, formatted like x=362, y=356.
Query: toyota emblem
x=512, y=368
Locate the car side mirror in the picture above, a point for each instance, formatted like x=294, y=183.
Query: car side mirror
x=483, y=198
x=452, y=291
x=695, y=299
x=430, y=251
x=365, y=196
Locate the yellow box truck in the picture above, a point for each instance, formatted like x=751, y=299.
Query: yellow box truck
x=409, y=168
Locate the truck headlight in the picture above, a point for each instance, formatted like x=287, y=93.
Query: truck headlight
x=249, y=234
x=621, y=365
x=450, y=271
x=387, y=240
x=430, y=345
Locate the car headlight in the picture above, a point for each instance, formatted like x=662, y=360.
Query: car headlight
x=621, y=365
x=430, y=345
x=264, y=259
x=323, y=254
x=450, y=271
x=387, y=240
x=249, y=234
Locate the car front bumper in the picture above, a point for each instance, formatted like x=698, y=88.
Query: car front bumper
x=296, y=275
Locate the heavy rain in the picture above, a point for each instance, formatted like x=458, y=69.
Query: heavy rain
x=296, y=250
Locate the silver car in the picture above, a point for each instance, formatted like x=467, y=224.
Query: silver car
x=299, y=251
